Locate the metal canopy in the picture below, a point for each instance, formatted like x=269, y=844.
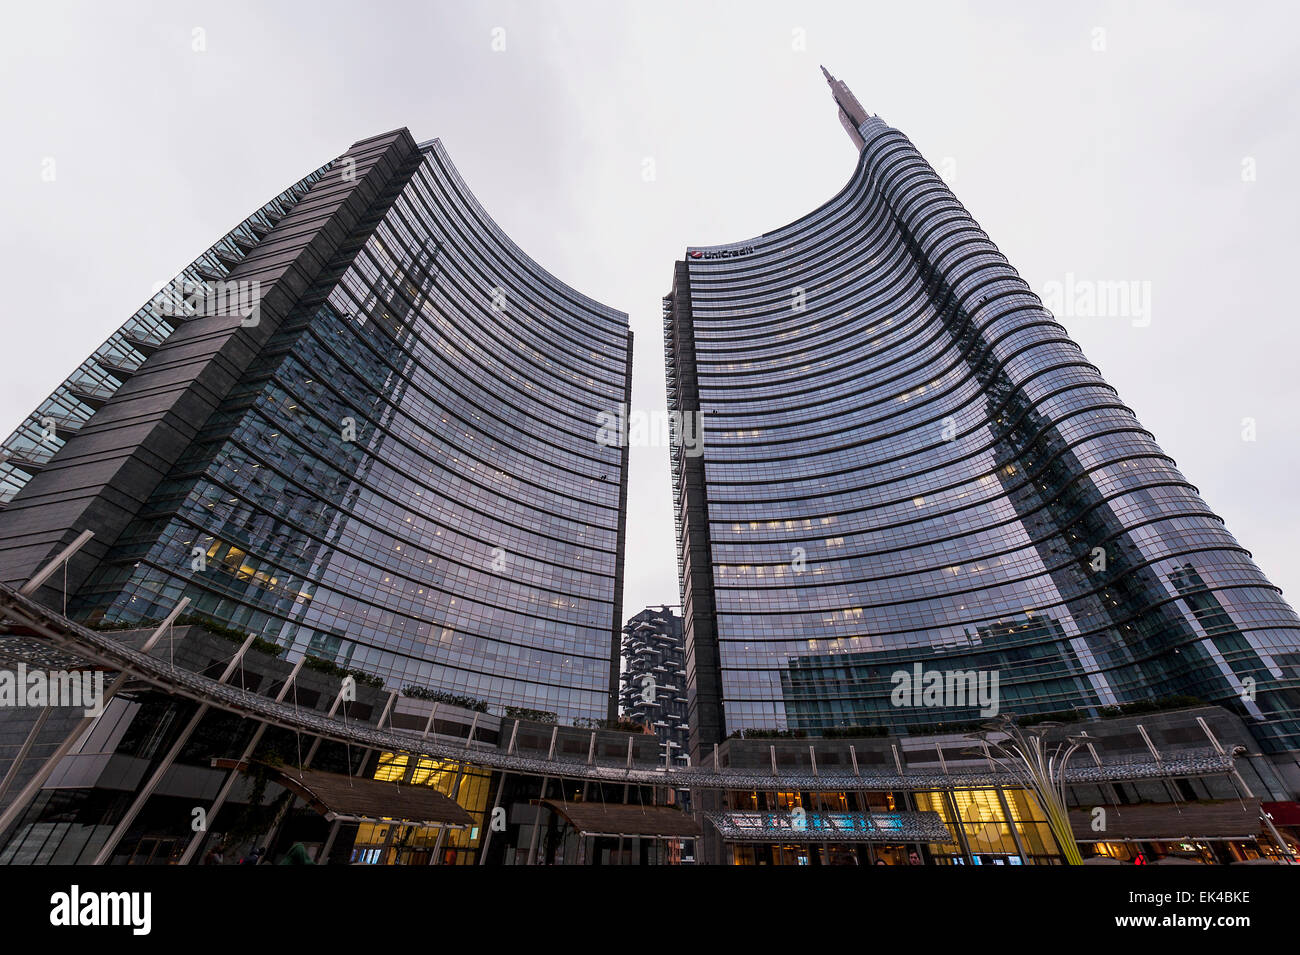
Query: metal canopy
x=356, y=799
x=616, y=819
x=1171, y=822
x=878, y=827
x=39, y=625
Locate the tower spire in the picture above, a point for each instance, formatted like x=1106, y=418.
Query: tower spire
x=852, y=114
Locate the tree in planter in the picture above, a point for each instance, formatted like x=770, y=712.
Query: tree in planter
x=251, y=824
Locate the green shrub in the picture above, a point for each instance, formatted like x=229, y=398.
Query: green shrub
x=333, y=669
x=441, y=696
x=619, y=725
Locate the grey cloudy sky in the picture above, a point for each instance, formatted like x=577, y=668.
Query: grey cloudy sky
x=1118, y=163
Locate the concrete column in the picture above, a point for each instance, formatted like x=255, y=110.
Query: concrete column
x=537, y=821
x=106, y=851
x=1011, y=824
x=26, y=748
x=960, y=827
x=197, y=840
x=28, y=793
x=442, y=830
x=487, y=823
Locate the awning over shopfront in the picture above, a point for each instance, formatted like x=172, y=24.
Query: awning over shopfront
x=355, y=799
x=616, y=819
x=878, y=827
x=1168, y=822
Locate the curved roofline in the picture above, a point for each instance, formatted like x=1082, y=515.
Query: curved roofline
x=772, y=233
x=436, y=147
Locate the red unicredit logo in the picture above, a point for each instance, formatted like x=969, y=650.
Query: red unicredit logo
x=721, y=253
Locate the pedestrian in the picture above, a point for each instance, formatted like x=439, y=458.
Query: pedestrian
x=297, y=856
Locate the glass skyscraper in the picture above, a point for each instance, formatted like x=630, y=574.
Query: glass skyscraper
x=906, y=461
x=383, y=452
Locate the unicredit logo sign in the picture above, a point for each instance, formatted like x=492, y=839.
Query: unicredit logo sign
x=722, y=253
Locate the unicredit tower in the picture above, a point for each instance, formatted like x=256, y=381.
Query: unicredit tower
x=908, y=466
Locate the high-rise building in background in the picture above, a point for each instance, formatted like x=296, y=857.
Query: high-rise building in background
x=907, y=463
x=363, y=426
x=653, y=689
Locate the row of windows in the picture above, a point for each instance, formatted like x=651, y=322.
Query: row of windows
x=456, y=538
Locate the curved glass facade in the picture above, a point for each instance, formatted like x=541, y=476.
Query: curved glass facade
x=407, y=480
x=908, y=462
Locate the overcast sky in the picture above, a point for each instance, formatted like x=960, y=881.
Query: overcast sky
x=1152, y=143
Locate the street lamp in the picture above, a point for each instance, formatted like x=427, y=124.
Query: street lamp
x=1025, y=753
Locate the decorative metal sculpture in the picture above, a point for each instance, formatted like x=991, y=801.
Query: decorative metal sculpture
x=1025, y=753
